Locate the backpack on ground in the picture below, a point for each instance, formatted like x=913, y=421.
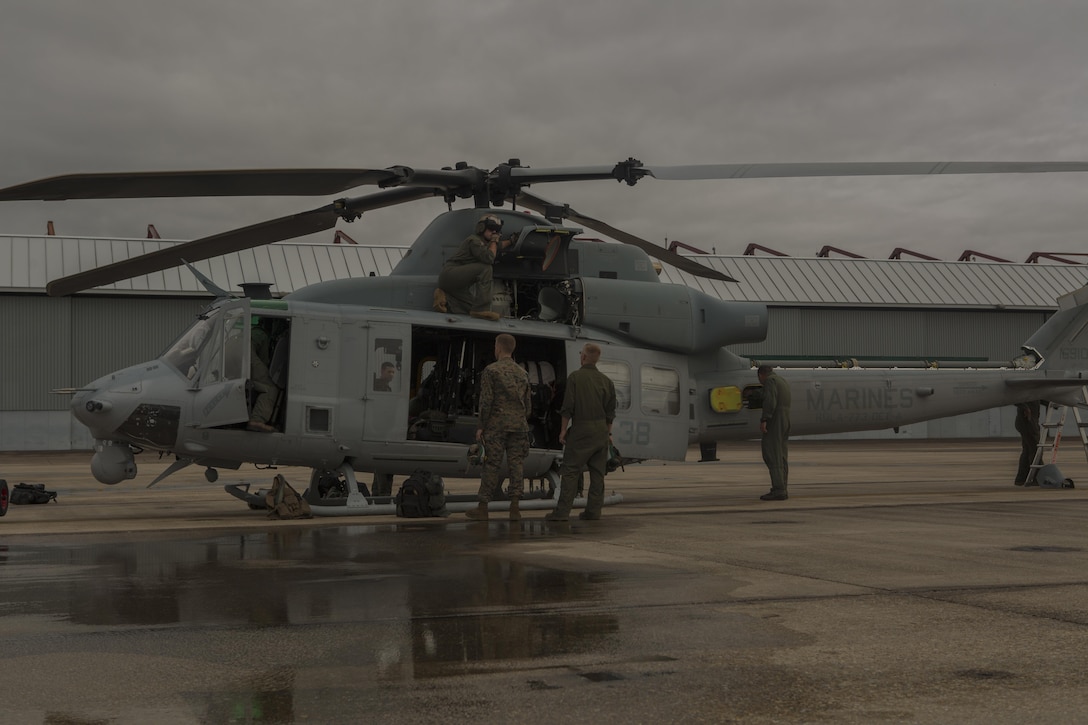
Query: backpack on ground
x=283, y=502
x=422, y=495
x=31, y=493
x=1049, y=476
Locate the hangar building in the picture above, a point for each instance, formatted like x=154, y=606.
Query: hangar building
x=820, y=309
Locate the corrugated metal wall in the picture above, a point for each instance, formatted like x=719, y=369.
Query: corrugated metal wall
x=34, y=352
x=51, y=343
x=111, y=333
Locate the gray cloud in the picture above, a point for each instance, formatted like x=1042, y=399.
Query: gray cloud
x=111, y=86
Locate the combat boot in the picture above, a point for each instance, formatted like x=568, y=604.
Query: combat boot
x=479, y=513
x=515, y=511
x=439, y=304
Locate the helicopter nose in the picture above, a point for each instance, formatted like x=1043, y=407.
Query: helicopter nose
x=92, y=409
x=100, y=408
x=137, y=406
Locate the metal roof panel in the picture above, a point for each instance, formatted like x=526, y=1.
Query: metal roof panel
x=781, y=281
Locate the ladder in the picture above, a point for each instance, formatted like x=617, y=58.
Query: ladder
x=1050, y=433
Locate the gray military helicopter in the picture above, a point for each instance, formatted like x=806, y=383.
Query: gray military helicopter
x=665, y=346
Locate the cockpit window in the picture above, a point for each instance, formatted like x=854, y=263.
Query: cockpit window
x=182, y=355
x=235, y=337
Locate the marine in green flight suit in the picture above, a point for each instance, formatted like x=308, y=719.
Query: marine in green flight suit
x=1027, y=425
x=466, y=278
x=260, y=418
x=774, y=424
x=589, y=406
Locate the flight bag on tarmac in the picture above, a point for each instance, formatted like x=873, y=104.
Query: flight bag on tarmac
x=283, y=501
x=421, y=495
x=31, y=493
x=1049, y=476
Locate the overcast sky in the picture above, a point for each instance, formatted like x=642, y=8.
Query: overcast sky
x=152, y=85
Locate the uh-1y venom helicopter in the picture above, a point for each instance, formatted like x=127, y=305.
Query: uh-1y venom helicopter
x=665, y=345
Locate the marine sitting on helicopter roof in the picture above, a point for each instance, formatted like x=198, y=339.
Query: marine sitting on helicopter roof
x=464, y=285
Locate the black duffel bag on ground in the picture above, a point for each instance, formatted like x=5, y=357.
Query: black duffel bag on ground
x=31, y=493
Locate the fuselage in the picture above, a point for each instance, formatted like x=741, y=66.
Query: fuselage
x=192, y=401
x=665, y=347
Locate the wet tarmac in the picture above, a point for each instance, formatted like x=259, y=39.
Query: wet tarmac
x=902, y=582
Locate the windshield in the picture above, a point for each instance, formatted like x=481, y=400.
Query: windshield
x=182, y=355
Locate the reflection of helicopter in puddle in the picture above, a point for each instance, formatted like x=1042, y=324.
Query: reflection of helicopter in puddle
x=664, y=345
x=395, y=607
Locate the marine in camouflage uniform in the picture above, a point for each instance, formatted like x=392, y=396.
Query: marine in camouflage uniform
x=775, y=426
x=505, y=403
x=589, y=406
x=466, y=277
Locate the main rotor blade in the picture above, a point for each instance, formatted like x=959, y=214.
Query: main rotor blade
x=316, y=220
x=256, y=182
x=875, y=168
x=529, y=175
x=631, y=171
x=255, y=235
x=687, y=264
x=466, y=181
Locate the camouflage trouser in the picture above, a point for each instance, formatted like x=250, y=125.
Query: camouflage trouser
x=467, y=287
x=575, y=458
x=775, y=449
x=516, y=446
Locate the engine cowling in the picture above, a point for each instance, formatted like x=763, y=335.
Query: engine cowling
x=670, y=317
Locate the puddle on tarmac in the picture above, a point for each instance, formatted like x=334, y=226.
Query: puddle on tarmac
x=427, y=596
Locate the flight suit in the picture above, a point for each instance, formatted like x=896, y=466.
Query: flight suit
x=466, y=277
x=1027, y=425
x=505, y=402
x=590, y=403
x=775, y=447
x=260, y=379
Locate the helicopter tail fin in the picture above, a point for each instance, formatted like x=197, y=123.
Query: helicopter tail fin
x=219, y=292
x=1062, y=342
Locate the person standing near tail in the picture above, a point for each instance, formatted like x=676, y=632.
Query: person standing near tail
x=775, y=427
x=505, y=402
x=1027, y=425
x=589, y=406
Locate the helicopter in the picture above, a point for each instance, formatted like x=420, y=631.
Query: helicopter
x=665, y=346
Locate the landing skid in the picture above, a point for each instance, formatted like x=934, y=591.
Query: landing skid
x=542, y=497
